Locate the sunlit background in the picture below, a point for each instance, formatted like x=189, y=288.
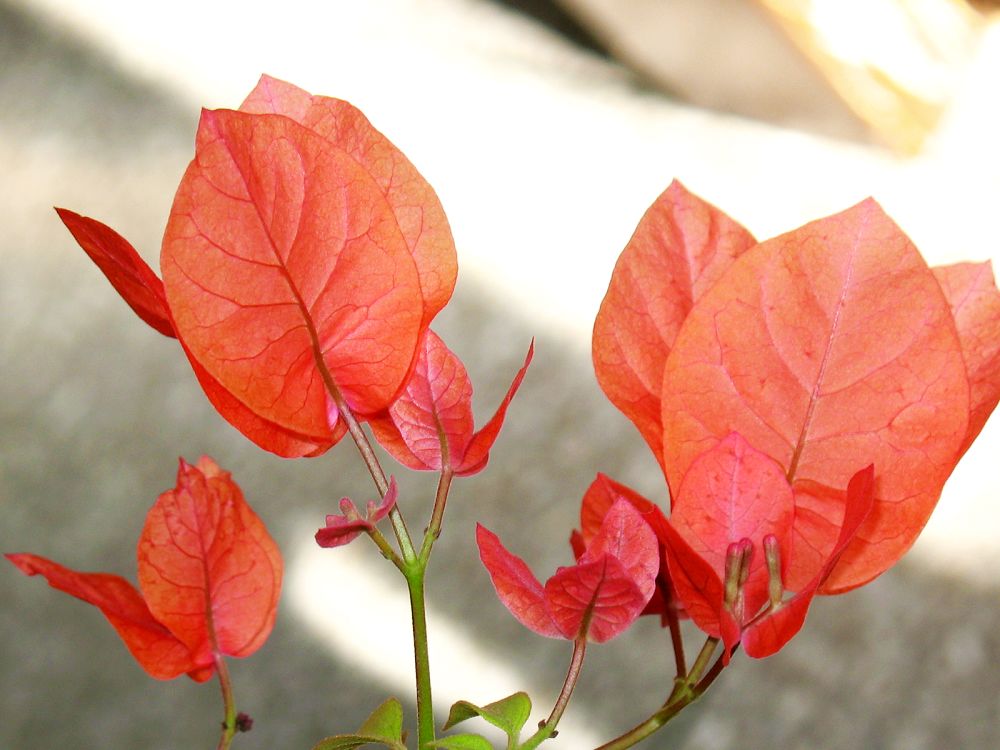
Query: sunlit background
x=546, y=128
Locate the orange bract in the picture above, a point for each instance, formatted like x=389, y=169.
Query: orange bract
x=680, y=248
x=600, y=496
x=416, y=207
x=826, y=349
x=303, y=259
x=208, y=569
x=209, y=573
x=286, y=274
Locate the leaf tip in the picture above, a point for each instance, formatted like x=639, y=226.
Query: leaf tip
x=19, y=561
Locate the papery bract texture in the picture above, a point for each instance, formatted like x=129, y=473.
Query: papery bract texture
x=827, y=348
x=625, y=536
x=128, y=273
x=418, y=212
x=731, y=493
x=287, y=275
x=972, y=294
x=784, y=369
x=266, y=433
x=768, y=634
x=142, y=289
x=599, y=498
x=598, y=598
x=157, y=650
x=601, y=495
x=304, y=257
x=430, y=426
x=679, y=250
x=696, y=583
x=517, y=587
x=209, y=575
x=208, y=569
x=697, y=553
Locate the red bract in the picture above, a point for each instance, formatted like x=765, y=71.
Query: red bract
x=302, y=261
x=345, y=528
x=827, y=349
x=597, y=598
x=728, y=542
x=430, y=425
x=599, y=498
x=732, y=493
x=157, y=650
x=209, y=573
x=680, y=248
x=127, y=272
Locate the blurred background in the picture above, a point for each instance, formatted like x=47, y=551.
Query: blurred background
x=547, y=128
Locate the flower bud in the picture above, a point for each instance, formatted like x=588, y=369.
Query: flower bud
x=738, y=557
x=772, y=553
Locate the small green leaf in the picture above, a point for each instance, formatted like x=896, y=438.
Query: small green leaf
x=508, y=714
x=386, y=721
x=351, y=741
x=460, y=712
x=384, y=727
x=463, y=742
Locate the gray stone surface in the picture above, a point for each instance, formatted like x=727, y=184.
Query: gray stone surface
x=95, y=408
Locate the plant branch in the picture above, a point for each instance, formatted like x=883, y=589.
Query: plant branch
x=548, y=727
x=709, y=678
x=364, y=446
x=676, y=639
x=386, y=549
x=701, y=662
x=412, y=567
x=421, y=656
x=375, y=469
x=229, y=705
x=686, y=691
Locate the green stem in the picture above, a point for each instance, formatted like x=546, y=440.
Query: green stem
x=415, y=572
x=548, y=727
x=686, y=691
x=421, y=655
x=646, y=728
x=402, y=535
x=386, y=549
x=413, y=566
x=229, y=723
x=701, y=662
